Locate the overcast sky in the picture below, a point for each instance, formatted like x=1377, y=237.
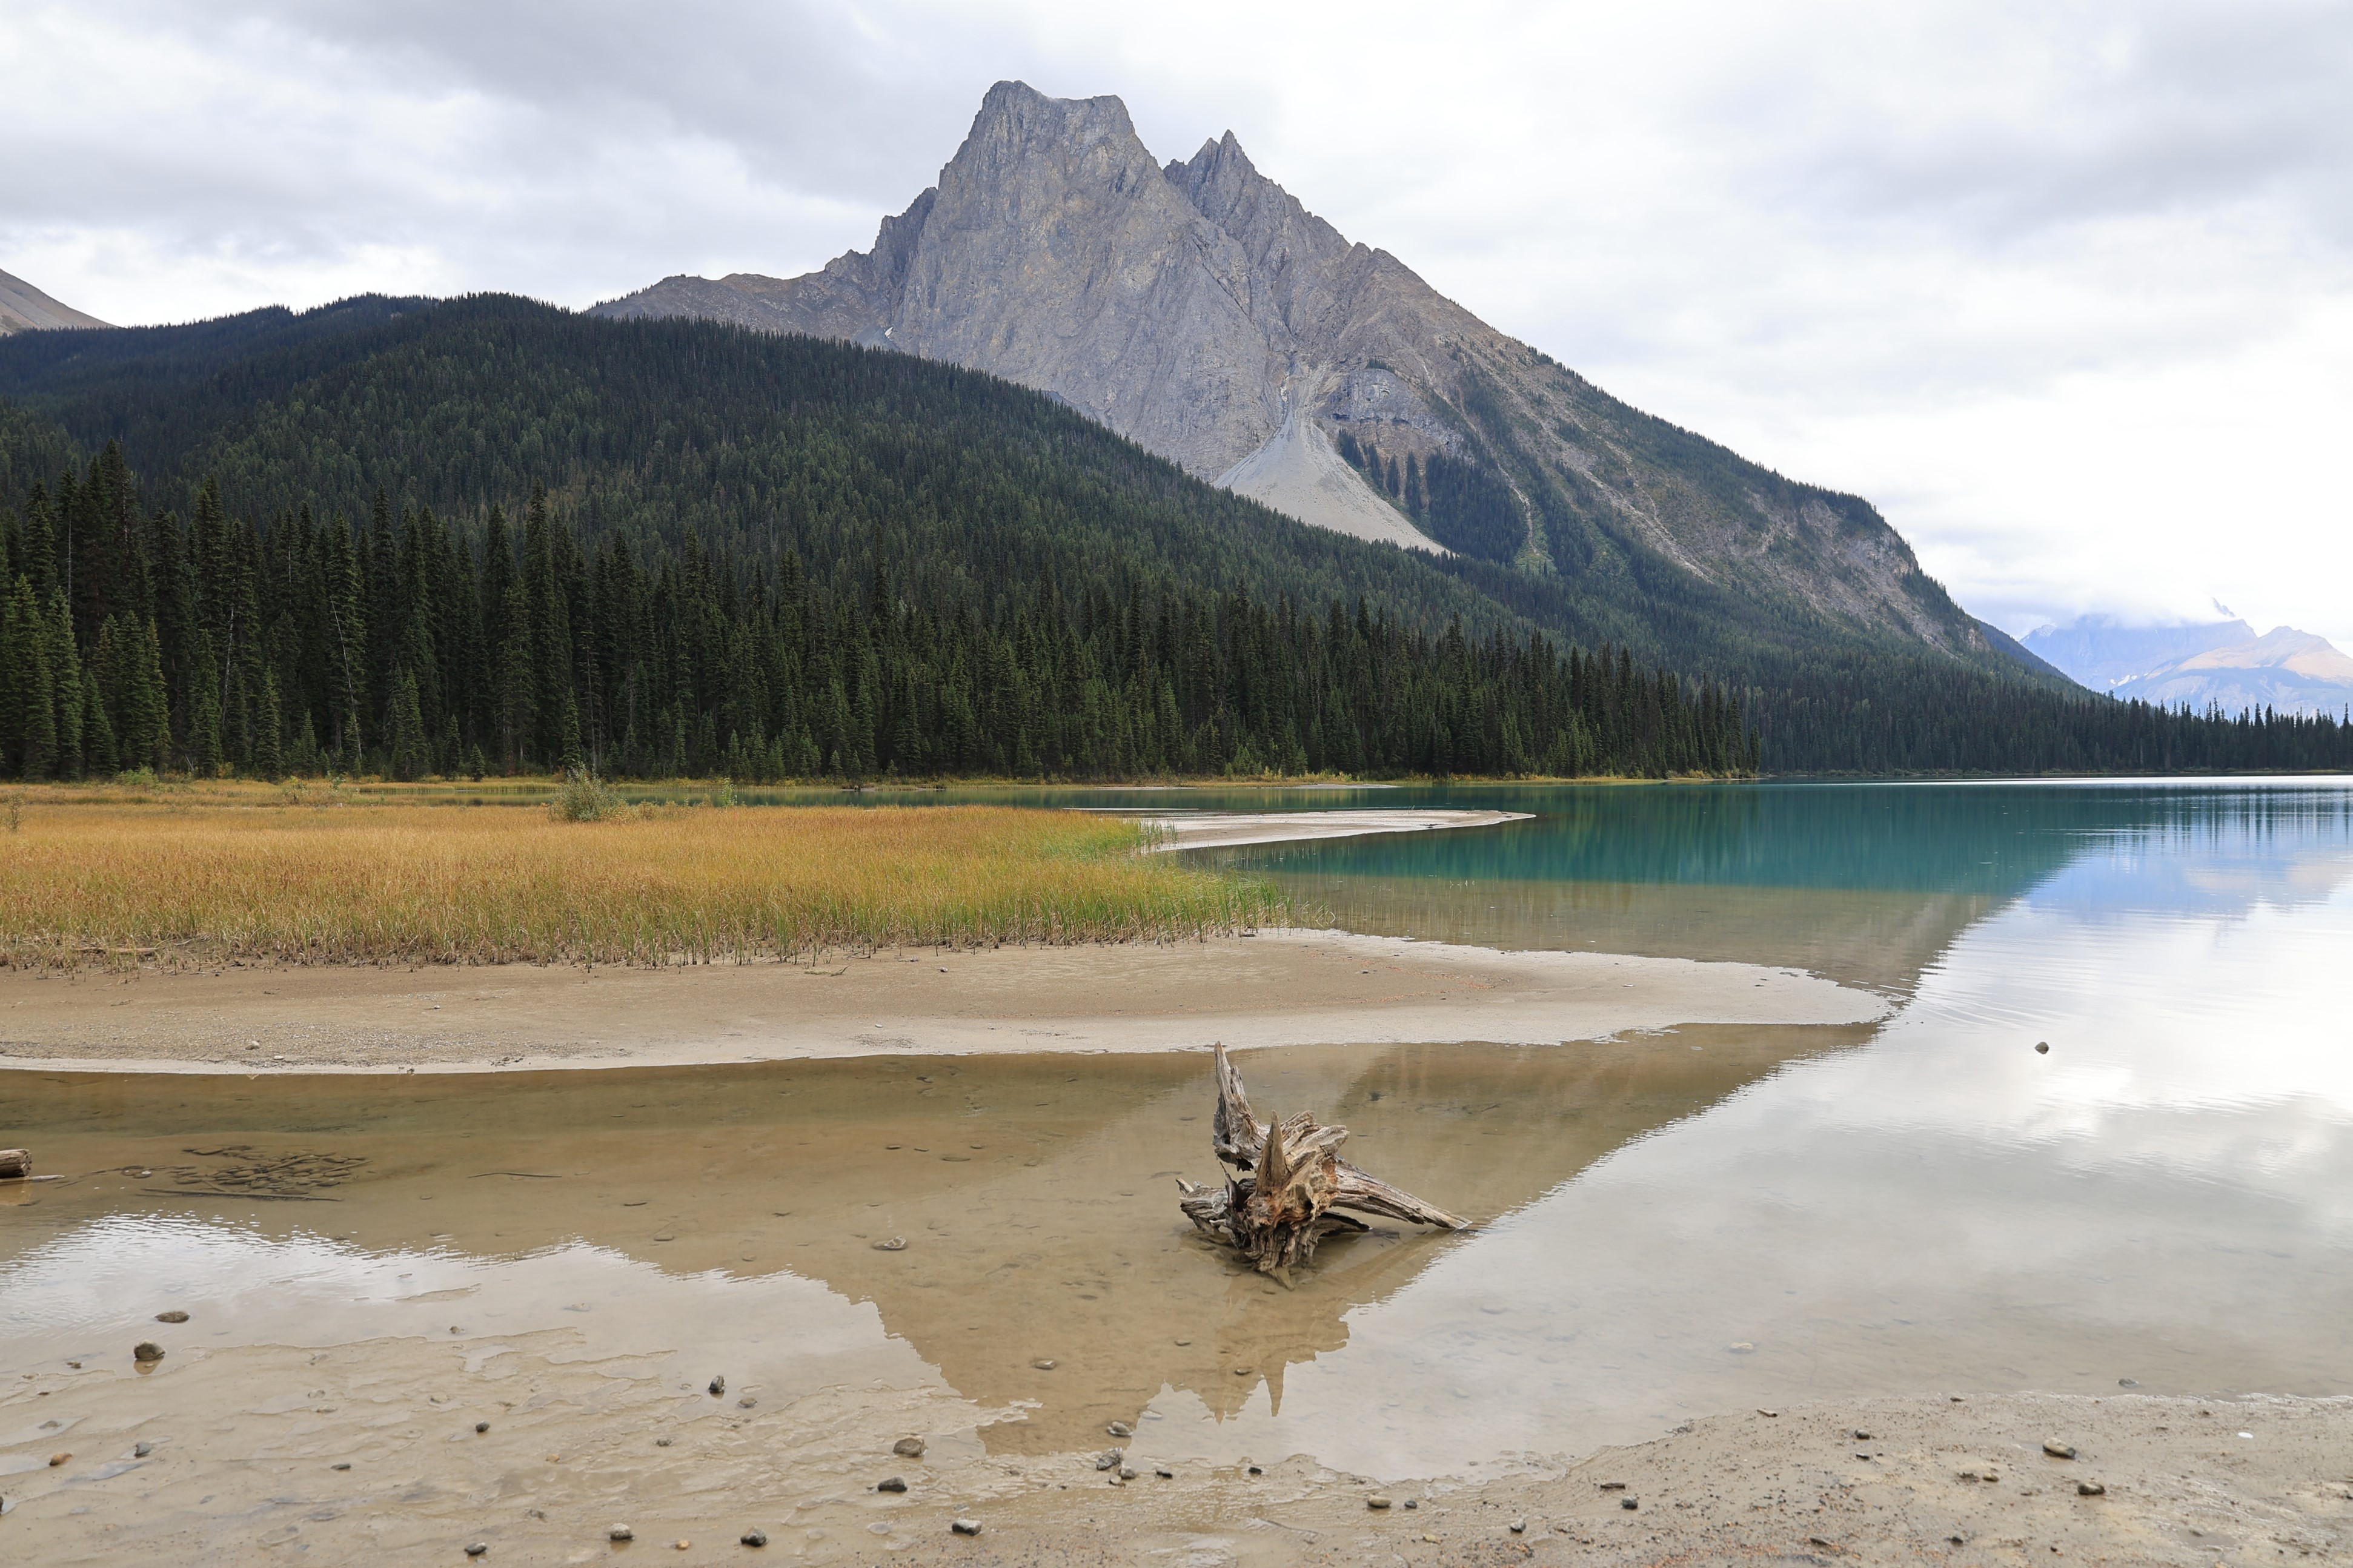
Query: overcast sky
x=2066, y=289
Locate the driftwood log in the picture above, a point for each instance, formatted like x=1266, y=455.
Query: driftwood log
x=1280, y=1208
x=15, y=1162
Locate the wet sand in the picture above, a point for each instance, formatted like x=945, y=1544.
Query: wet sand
x=1277, y=988
x=348, y=1454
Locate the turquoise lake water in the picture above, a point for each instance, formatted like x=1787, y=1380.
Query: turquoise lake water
x=1673, y=1223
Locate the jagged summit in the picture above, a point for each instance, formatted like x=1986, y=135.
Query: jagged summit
x=1200, y=309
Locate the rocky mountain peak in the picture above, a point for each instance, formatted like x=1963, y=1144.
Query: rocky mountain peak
x=1201, y=310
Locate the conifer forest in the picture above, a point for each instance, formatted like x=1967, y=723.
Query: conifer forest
x=484, y=536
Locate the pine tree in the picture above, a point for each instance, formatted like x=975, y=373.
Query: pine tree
x=270, y=725
x=409, y=755
x=100, y=756
x=66, y=680
x=204, y=755
x=35, y=719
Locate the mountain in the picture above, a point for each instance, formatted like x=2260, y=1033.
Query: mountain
x=1197, y=308
x=986, y=578
x=25, y=309
x=2103, y=653
x=2214, y=664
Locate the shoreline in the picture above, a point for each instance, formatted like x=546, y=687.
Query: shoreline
x=1277, y=988
x=1232, y=829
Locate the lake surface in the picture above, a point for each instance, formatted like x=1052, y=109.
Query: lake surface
x=1672, y=1225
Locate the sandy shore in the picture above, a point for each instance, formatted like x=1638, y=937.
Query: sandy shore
x=1225, y=829
x=419, y=1448
x=1277, y=988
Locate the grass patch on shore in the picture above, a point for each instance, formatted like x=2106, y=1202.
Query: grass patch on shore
x=262, y=874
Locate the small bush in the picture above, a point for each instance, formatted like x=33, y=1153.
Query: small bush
x=584, y=797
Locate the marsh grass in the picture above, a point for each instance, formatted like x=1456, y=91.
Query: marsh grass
x=214, y=874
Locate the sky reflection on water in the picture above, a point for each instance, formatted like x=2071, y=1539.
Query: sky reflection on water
x=1688, y=1223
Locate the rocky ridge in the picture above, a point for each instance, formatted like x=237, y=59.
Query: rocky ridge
x=25, y=309
x=1197, y=308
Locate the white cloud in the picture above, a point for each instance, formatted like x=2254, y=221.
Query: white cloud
x=2063, y=287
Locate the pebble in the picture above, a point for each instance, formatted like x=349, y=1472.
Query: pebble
x=746, y=1404
x=663, y=1442
x=2041, y=1048
x=964, y=1526
x=1108, y=1459
x=476, y=1549
x=147, y=1350
x=1519, y=1527
x=2090, y=1489
x=1120, y=1429
x=896, y=1243
x=1163, y=1473
x=1628, y=1502
x=718, y=1386
x=340, y=1466
x=1861, y=1435
x=1127, y=1472
x=1413, y=1502
x=57, y=1460
x=908, y=1447
x=482, y=1426
x=893, y=1484
x=620, y=1532
x=142, y=1450
x=1376, y=1500
x=174, y=1316
x=681, y=1545
x=1044, y=1363
x=2057, y=1450
x=2128, y=1383
x=755, y=1538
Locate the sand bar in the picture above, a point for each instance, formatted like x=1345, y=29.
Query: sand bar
x=1225, y=829
x=1277, y=988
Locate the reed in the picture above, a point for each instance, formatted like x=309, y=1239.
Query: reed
x=270, y=875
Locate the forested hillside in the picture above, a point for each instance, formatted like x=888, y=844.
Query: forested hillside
x=485, y=534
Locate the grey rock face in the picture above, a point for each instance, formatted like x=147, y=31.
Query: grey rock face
x=25, y=309
x=1199, y=309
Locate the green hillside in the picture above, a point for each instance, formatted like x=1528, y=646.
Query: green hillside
x=767, y=554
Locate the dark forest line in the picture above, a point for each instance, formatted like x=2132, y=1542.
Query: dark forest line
x=406, y=646
x=708, y=472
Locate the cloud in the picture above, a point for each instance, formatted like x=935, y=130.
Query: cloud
x=2061, y=286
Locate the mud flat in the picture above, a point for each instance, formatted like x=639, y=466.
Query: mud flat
x=1274, y=989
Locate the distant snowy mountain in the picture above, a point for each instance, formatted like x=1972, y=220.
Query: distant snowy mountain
x=2220, y=663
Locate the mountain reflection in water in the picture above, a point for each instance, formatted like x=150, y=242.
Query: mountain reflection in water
x=1672, y=1225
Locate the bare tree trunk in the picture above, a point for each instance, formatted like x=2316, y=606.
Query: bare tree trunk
x=1276, y=1214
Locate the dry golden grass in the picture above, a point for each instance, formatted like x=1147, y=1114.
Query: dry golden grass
x=246, y=872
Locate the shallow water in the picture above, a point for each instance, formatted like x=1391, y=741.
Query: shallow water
x=1669, y=1225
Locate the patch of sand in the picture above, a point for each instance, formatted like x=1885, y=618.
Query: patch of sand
x=245, y=1446
x=1222, y=829
x=1277, y=988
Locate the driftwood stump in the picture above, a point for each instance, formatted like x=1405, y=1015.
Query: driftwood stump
x=15, y=1162
x=1276, y=1213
